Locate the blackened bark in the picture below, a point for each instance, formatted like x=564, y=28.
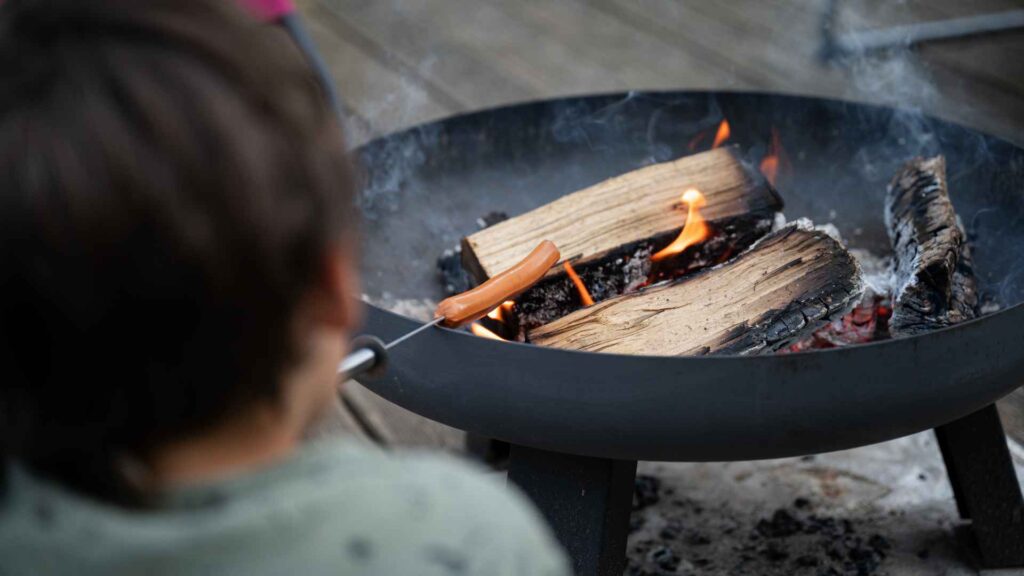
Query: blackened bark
x=934, y=276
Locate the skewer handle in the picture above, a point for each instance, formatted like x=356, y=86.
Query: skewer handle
x=369, y=357
x=369, y=354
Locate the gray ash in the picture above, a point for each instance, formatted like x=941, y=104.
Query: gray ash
x=453, y=278
x=490, y=219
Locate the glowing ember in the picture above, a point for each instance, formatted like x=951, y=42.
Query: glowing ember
x=499, y=312
x=722, y=135
x=770, y=163
x=479, y=330
x=867, y=322
x=695, y=230
x=584, y=294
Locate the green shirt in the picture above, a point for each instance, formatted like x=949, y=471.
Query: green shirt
x=334, y=508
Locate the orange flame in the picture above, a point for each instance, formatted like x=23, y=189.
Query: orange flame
x=695, y=230
x=498, y=312
x=584, y=294
x=479, y=330
x=722, y=135
x=770, y=163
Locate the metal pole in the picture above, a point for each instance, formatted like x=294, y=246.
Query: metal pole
x=293, y=25
x=911, y=34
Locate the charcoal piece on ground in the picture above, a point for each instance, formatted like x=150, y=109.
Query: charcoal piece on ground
x=645, y=491
x=781, y=525
x=664, y=558
x=783, y=288
x=934, y=276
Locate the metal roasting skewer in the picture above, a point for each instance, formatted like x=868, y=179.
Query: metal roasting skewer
x=369, y=353
x=401, y=339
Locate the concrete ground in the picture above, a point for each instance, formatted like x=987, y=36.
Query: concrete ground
x=882, y=509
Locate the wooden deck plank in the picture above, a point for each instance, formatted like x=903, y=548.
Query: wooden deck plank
x=877, y=13
x=383, y=99
x=611, y=52
x=921, y=78
x=517, y=49
x=979, y=79
x=997, y=61
x=490, y=54
x=740, y=47
x=422, y=38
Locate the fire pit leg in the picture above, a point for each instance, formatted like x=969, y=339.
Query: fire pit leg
x=587, y=501
x=985, y=486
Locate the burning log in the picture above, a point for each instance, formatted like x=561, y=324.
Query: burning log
x=611, y=218
x=934, y=277
x=784, y=287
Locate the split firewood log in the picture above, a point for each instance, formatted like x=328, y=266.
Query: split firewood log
x=611, y=217
x=784, y=287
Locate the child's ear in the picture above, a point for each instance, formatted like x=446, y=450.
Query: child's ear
x=339, y=289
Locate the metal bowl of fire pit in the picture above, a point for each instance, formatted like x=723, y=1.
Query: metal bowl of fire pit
x=427, y=186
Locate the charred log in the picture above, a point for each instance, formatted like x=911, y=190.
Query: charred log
x=783, y=288
x=934, y=276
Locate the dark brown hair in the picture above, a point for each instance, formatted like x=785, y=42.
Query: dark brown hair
x=170, y=178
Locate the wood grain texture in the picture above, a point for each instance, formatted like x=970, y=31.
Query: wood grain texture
x=784, y=287
x=934, y=276
x=489, y=52
x=596, y=48
x=471, y=52
x=635, y=206
x=379, y=95
x=748, y=46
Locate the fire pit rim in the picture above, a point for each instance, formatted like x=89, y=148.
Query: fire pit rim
x=723, y=408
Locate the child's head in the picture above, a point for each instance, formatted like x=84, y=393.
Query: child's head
x=175, y=221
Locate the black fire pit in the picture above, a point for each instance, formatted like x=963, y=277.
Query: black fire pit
x=578, y=422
